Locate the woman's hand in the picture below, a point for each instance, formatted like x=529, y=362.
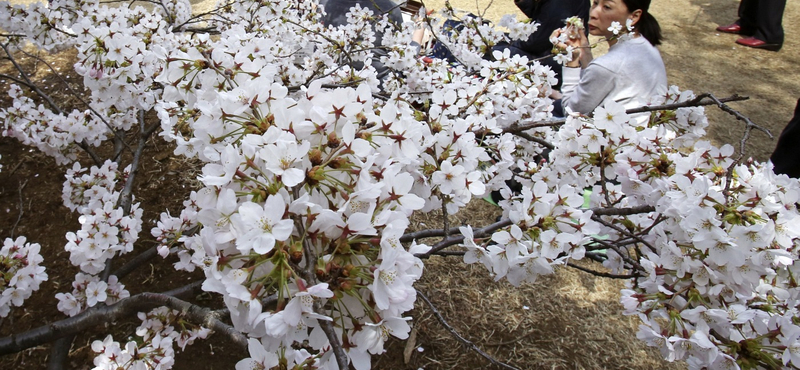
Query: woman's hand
x=571, y=36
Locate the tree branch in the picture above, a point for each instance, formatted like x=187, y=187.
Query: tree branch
x=135, y=263
x=80, y=99
x=129, y=306
x=125, y=197
x=600, y=274
x=457, y=239
x=537, y=140
x=701, y=100
x=28, y=81
x=623, y=232
x=622, y=211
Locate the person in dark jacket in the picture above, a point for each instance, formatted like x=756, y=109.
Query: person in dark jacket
x=786, y=157
x=336, y=15
x=550, y=14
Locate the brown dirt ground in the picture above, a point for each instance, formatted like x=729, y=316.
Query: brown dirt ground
x=566, y=321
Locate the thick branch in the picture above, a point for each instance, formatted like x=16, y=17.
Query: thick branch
x=127, y=307
x=427, y=233
x=458, y=239
x=701, y=100
x=458, y=337
x=125, y=197
x=135, y=262
x=622, y=211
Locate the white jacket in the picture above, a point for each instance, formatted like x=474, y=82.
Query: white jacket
x=631, y=73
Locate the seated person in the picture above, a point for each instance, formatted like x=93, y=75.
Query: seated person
x=630, y=73
x=336, y=15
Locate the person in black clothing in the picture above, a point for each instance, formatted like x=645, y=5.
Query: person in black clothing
x=336, y=15
x=786, y=157
x=550, y=14
x=762, y=21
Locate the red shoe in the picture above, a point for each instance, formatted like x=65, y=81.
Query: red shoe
x=758, y=44
x=731, y=28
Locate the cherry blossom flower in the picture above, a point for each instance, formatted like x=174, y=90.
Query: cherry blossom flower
x=260, y=226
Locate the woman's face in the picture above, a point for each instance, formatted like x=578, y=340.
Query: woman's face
x=604, y=12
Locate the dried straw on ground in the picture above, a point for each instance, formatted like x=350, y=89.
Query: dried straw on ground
x=570, y=320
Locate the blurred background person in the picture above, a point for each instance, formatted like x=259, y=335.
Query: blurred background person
x=761, y=20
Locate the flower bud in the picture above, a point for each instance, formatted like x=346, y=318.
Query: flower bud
x=333, y=140
x=315, y=156
x=296, y=252
x=337, y=162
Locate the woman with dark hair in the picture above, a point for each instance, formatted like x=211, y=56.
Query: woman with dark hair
x=630, y=73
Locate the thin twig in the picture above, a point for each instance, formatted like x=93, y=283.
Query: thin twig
x=77, y=96
x=86, y=148
x=445, y=219
x=624, y=232
x=458, y=337
x=698, y=101
x=21, y=208
x=616, y=248
x=28, y=81
x=600, y=274
x=308, y=273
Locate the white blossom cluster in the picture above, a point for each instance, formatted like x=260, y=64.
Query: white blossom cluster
x=88, y=291
x=318, y=143
x=105, y=229
x=718, y=257
x=54, y=134
x=169, y=231
x=120, y=50
x=20, y=272
x=274, y=220
x=42, y=24
x=154, y=349
x=518, y=30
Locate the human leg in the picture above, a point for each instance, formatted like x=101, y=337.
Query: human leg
x=769, y=20
x=746, y=24
x=769, y=31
